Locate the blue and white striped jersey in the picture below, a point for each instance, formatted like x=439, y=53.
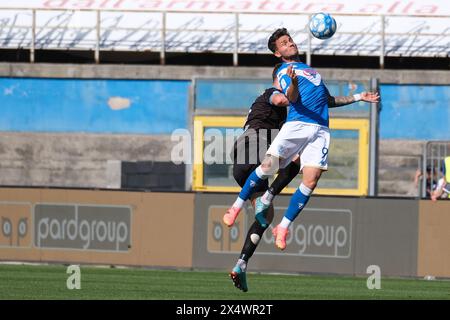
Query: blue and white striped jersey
x=312, y=105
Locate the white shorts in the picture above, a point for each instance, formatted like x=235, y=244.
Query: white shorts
x=310, y=141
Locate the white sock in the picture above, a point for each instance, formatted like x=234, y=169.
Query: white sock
x=285, y=223
x=305, y=190
x=239, y=203
x=267, y=198
x=242, y=264
x=261, y=173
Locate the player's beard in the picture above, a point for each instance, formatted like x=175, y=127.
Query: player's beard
x=294, y=57
x=295, y=54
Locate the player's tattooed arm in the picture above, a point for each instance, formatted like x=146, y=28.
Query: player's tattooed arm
x=292, y=92
x=340, y=101
x=334, y=102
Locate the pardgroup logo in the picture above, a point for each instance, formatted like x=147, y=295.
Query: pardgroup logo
x=85, y=227
x=222, y=238
x=15, y=222
x=316, y=232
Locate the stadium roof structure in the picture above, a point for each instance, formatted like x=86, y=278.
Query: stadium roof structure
x=384, y=29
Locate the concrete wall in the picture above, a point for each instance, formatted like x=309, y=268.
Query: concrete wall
x=88, y=160
x=93, y=105
x=398, y=162
x=80, y=160
x=187, y=72
x=72, y=160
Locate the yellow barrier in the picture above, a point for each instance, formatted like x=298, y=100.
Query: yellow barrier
x=361, y=126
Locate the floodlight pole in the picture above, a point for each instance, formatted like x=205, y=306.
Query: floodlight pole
x=383, y=41
x=33, y=37
x=374, y=140
x=308, y=51
x=97, y=37
x=236, y=40
x=162, y=53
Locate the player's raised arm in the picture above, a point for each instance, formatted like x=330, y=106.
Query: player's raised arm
x=372, y=97
x=292, y=92
x=278, y=98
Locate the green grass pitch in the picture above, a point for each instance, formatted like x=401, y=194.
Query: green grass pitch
x=49, y=282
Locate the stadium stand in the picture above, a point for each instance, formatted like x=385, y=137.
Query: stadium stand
x=61, y=40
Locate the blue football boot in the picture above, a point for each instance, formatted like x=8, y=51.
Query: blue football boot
x=239, y=278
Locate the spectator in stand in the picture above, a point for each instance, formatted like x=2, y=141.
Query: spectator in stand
x=442, y=190
x=431, y=179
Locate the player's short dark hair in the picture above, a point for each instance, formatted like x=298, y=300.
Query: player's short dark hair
x=275, y=69
x=275, y=36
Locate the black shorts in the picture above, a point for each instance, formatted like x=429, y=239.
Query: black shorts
x=249, y=150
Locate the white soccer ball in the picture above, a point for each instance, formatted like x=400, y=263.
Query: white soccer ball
x=322, y=25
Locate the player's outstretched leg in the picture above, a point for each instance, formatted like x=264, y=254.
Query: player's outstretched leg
x=262, y=204
x=254, y=234
x=298, y=201
x=280, y=235
x=267, y=168
x=255, y=179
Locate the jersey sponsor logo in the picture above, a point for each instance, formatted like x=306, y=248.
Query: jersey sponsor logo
x=310, y=74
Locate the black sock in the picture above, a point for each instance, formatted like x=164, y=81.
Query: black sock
x=285, y=176
x=249, y=247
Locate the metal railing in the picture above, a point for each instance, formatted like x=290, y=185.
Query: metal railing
x=232, y=33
